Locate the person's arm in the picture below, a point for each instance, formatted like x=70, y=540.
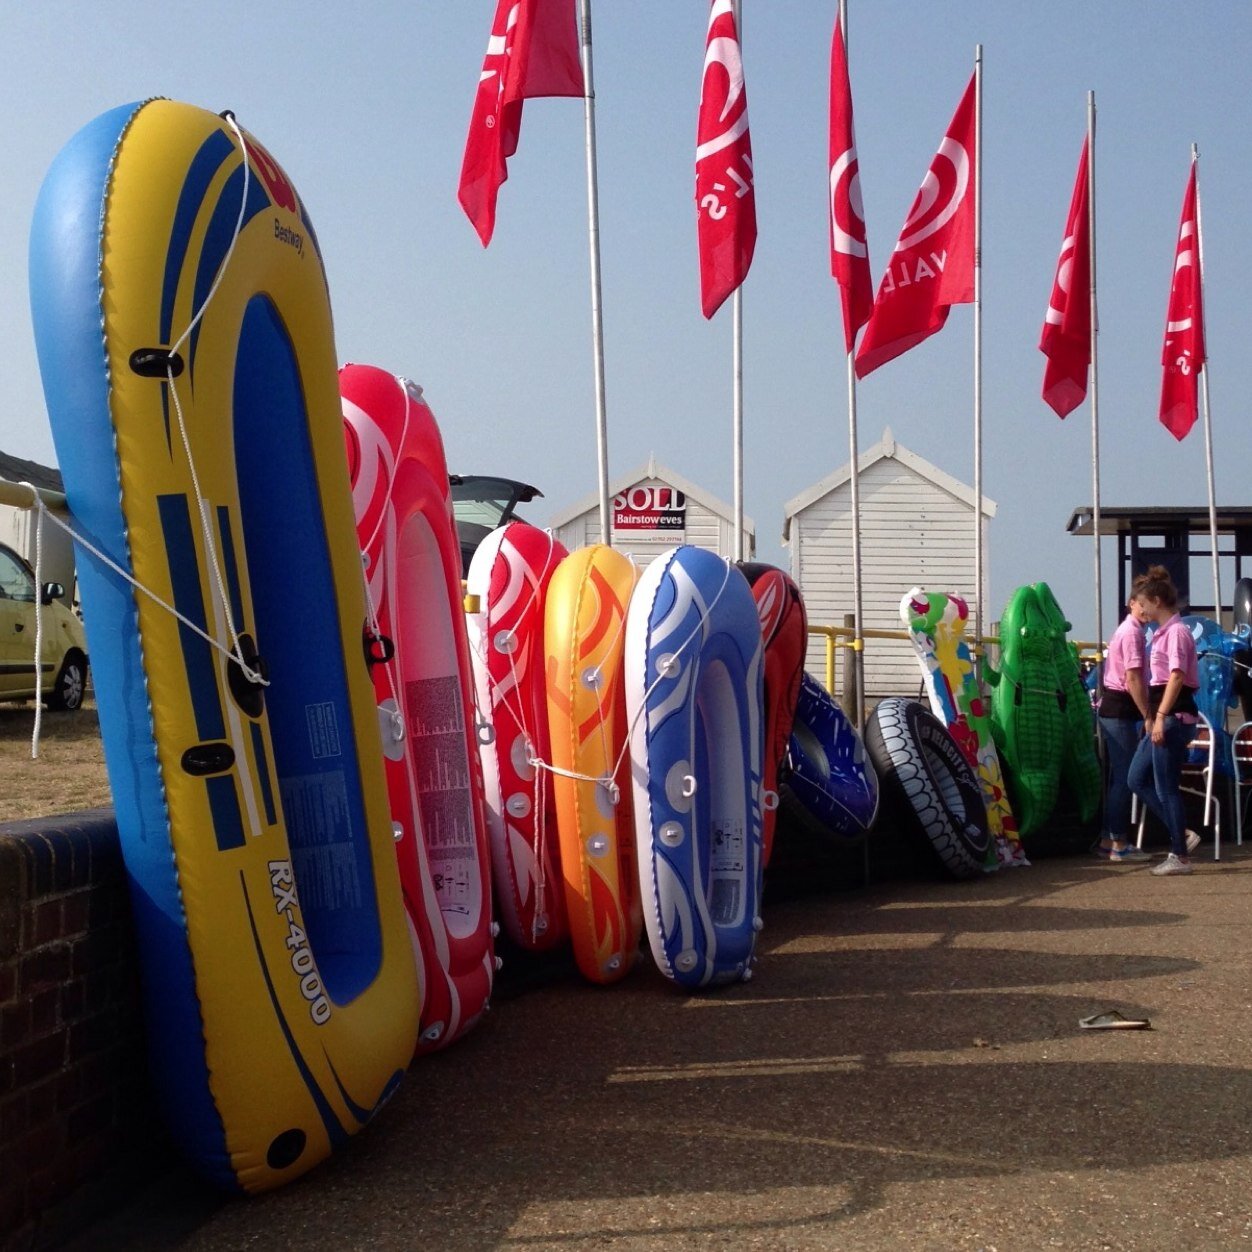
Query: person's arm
x=1172, y=688
x=1138, y=691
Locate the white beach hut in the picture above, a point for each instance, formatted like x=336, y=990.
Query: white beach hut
x=917, y=529
x=654, y=508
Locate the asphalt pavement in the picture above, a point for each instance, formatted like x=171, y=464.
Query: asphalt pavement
x=906, y=1070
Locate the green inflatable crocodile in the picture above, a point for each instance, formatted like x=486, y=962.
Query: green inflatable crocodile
x=1026, y=709
x=1080, y=766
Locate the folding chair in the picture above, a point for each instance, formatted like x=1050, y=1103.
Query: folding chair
x=1241, y=753
x=1198, y=780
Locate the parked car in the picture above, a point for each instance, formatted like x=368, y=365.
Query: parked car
x=63, y=654
x=481, y=503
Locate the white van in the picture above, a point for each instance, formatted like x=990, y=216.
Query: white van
x=64, y=650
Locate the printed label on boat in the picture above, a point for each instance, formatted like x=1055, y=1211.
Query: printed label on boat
x=316, y=809
x=287, y=906
x=323, y=730
x=726, y=864
x=435, y=722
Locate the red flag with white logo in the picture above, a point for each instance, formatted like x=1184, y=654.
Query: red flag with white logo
x=725, y=197
x=533, y=51
x=1183, y=354
x=1066, y=336
x=932, y=267
x=849, y=254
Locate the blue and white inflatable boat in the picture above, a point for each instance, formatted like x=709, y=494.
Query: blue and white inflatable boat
x=694, y=702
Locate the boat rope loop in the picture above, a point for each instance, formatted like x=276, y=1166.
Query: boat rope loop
x=374, y=630
x=386, y=658
x=253, y=675
x=110, y=563
x=592, y=677
x=668, y=666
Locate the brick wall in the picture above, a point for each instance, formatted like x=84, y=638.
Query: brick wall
x=73, y=1100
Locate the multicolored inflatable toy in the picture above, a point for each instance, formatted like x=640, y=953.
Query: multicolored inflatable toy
x=184, y=337
x=585, y=641
x=784, y=636
x=508, y=580
x=693, y=698
x=419, y=658
x=930, y=784
x=936, y=623
x=828, y=783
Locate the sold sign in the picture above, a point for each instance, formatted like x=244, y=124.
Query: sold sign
x=653, y=508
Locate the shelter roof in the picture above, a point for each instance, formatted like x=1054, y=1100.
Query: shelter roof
x=1122, y=520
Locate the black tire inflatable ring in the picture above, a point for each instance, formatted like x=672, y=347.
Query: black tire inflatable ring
x=921, y=768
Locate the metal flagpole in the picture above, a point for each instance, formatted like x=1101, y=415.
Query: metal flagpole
x=1204, y=391
x=593, y=236
x=737, y=421
x=1095, y=373
x=737, y=398
x=978, y=554
x=858, y=646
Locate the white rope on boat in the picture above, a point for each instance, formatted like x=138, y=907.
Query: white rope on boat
x=111, y=564
x=235, y=652
x=608, y=779
x=210, y=543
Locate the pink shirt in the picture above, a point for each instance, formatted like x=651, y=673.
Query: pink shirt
x=1126, y=652
x=1174, y=648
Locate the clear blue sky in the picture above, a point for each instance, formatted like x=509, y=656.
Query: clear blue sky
x=366, y=106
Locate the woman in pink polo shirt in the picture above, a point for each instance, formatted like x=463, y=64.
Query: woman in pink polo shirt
x=1123, y=711
x=1174, y=678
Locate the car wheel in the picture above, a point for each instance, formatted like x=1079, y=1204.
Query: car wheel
x=71, y=684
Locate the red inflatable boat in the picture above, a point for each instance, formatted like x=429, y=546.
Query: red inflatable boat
x=419, y=659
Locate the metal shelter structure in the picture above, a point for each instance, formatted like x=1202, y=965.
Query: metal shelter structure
x=1173, y=535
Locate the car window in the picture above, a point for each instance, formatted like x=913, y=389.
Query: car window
x=480, y=512
x=16, y=581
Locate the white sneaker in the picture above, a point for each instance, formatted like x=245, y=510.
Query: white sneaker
x=1193, y=841
x=1171, y=865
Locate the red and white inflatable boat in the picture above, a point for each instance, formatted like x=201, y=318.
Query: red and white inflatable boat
x=507, y=587
x=419, y=659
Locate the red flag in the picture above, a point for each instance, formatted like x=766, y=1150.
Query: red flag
x=849, y=254
x=725, y=198
x=533, y=51
x=932, y=267
x=1066, y=336
x=1183, y=354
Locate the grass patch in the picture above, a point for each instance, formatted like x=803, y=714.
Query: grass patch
x=69, y=774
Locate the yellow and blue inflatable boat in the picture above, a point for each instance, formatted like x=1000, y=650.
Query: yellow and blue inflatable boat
x=184, y=335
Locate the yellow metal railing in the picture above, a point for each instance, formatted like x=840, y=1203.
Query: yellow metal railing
x=837, y=637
